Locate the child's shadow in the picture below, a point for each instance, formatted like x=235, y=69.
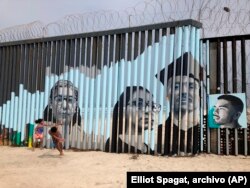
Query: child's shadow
x=49, y=155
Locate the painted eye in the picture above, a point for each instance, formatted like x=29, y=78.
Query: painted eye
x=58, y=98
x=191, y=85
x=70, y=99
x=177, y=86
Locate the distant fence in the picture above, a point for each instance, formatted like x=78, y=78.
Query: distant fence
x=227, y=59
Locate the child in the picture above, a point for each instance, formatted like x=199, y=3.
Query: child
x=39, y=133
x=57, y=139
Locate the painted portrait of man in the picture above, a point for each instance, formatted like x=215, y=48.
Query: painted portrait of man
x=227, y=111
x=182, y=83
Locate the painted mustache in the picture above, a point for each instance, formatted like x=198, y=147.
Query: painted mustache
x=184, y=99
x=146, y=120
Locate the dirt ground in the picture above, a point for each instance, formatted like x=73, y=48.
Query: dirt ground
x=23, y=168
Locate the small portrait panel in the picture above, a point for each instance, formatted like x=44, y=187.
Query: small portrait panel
x=227, y=111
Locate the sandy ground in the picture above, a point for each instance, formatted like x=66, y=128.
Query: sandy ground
x=24, y=168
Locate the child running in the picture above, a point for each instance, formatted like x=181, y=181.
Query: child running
x=39, y=133
x=57, y=139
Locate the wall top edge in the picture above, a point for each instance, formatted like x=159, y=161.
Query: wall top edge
x=226, y=38
x=179, y=23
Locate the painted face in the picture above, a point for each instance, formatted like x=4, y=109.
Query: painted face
x=224, y=112
x=189, y=93
x=141, y=103
x=64, y=104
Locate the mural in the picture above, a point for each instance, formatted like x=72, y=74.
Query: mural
x=133, y=114
x=227, y=111
x=63, y=108
x=183, y=93
x=135, y=92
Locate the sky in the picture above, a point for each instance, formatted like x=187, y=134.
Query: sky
x=51, y=13
x=18, y=12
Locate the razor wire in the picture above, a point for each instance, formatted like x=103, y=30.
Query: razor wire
x=219, y=18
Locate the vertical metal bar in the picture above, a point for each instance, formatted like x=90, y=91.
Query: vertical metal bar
x=234, y=77
x=149, y=37
x=2, y=64
x=12, y=107
x=101, y=126
x=141, y=122
x=47, y=92
x=7, y=100
x=152, y=86
x=40, y=82
x=45, y=99
x=77, y=77
x=189, y=40
x=92, y=87
x=8, y=91
x=127, y=98
x=5, y=106
x=105, y=82
x=1, y=94
x=29, y=85
x=25, y=82
x=112, y=122
x=144, y=78
x=234, y=62
x=61, y=53
x=52, y=81
x=218, y=86
x=76, y=121
x=41, y=85
x=5, y=73
x=225, y=78
x=197, y=94
x=122, y=101
x=167, y=131
x=3, y=84
x=81, y=93
x=73, y=126
x=17, y=92
x=154, y=93
x=178, y=138
x=73, y=134
x=86, y=94
x=225, y=65
x=30, y=89
x=31, y=93
x=218, y=64
x=243, y=70
x=135, y=124
x=127, y=52
x=173, y=136
x=100, y=65
x=70, y=125
x=159, y=99
x=33, y=82
x=203, y=97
